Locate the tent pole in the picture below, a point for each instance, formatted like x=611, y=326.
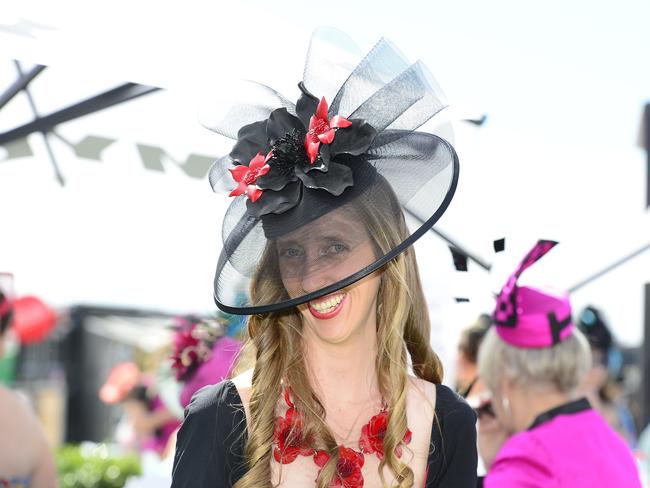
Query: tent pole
x=115, y=96
x=20, y=84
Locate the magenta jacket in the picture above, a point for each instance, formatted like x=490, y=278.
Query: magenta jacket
x=569, y=446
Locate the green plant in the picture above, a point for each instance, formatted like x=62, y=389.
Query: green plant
x=94, y=467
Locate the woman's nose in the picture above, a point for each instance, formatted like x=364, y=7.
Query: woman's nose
x=314, y=275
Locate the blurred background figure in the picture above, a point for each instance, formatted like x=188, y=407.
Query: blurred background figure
x=203, y=352
x=147, y=425
x=25, y=457
x=536, y=431
x=603, y=382
x=467, y=381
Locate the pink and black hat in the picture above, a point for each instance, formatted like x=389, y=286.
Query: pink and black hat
x=532, y=318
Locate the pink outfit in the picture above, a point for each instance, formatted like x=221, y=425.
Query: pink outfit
x=159, y=441
x=574, y=450
x=214, y=369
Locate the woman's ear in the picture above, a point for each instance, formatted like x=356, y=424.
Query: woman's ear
x=506, y=386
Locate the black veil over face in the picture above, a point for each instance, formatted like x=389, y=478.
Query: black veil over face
x=314, y=183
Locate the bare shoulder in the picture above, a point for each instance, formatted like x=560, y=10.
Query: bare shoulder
x=421, y=393
x=15, y=408
x=18, y=420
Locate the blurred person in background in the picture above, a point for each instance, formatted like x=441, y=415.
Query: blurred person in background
x=467, y=381
x=203, y=355
x=535, y=431
x=25, y=457
x=602, y=384
x=151, y=423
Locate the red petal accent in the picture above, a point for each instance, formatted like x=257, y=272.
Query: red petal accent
x=287, y=397
x=265, y=169
x=286, y=456
x=355, y=480
x=276, y=455
x=364, y=442
x=312, y=122
x=321, y=458
x=327, y=137
x=254, y=193
x=312, y=150
x=239, y=172
x=378, y=421
x=398, y=451
x=407, y=437
x=321, y=110
x=339, y=122
x=268, y=156
x=306, y=451
x=360, y=457
x=240, y=189
x=257, y=162
x=292, y=416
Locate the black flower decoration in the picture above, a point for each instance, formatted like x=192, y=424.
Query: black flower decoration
x=292, y=166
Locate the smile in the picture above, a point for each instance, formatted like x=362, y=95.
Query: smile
x=327, y=307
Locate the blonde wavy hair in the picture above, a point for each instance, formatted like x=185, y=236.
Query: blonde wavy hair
x=275, y=347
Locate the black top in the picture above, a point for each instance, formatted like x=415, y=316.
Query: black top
x=210, y=444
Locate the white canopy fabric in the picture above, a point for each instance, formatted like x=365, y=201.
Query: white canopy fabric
x=137, y=224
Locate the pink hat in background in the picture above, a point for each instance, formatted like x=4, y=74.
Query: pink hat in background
x=121, y=380
x=529, y=317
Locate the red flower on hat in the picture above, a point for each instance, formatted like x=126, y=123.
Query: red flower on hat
x=348, y=467
x=322, y=130
x=247, y=176
x=373, y=433
x=289, y=439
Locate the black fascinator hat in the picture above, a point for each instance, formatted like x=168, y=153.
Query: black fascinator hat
x=320, y=188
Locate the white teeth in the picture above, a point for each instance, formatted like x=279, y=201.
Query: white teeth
x=328, y=305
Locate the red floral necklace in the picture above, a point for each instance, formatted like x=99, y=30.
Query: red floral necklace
x=290, y=443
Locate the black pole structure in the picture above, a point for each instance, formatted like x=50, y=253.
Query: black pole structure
x=20, y=84
x=30, y=99
x=115, y=96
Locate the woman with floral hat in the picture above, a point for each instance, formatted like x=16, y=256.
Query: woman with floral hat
x=344, y=388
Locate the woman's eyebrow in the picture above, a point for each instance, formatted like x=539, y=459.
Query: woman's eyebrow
x=287, y=243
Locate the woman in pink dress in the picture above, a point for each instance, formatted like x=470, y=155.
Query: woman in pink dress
x=535, y=432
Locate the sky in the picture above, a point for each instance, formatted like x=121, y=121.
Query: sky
x=563, y=85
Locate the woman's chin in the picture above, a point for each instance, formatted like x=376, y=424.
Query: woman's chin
x=335, y=330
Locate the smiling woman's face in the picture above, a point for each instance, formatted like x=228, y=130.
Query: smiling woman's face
x=324, y=252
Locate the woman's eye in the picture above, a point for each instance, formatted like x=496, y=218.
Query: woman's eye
x=336, y=248
x=291, y=252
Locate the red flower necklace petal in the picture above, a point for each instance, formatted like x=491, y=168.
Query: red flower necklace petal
x=322, y=130
x=289, y=443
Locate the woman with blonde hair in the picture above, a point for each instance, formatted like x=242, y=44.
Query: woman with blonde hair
x=337, y=313
x=536, y=432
